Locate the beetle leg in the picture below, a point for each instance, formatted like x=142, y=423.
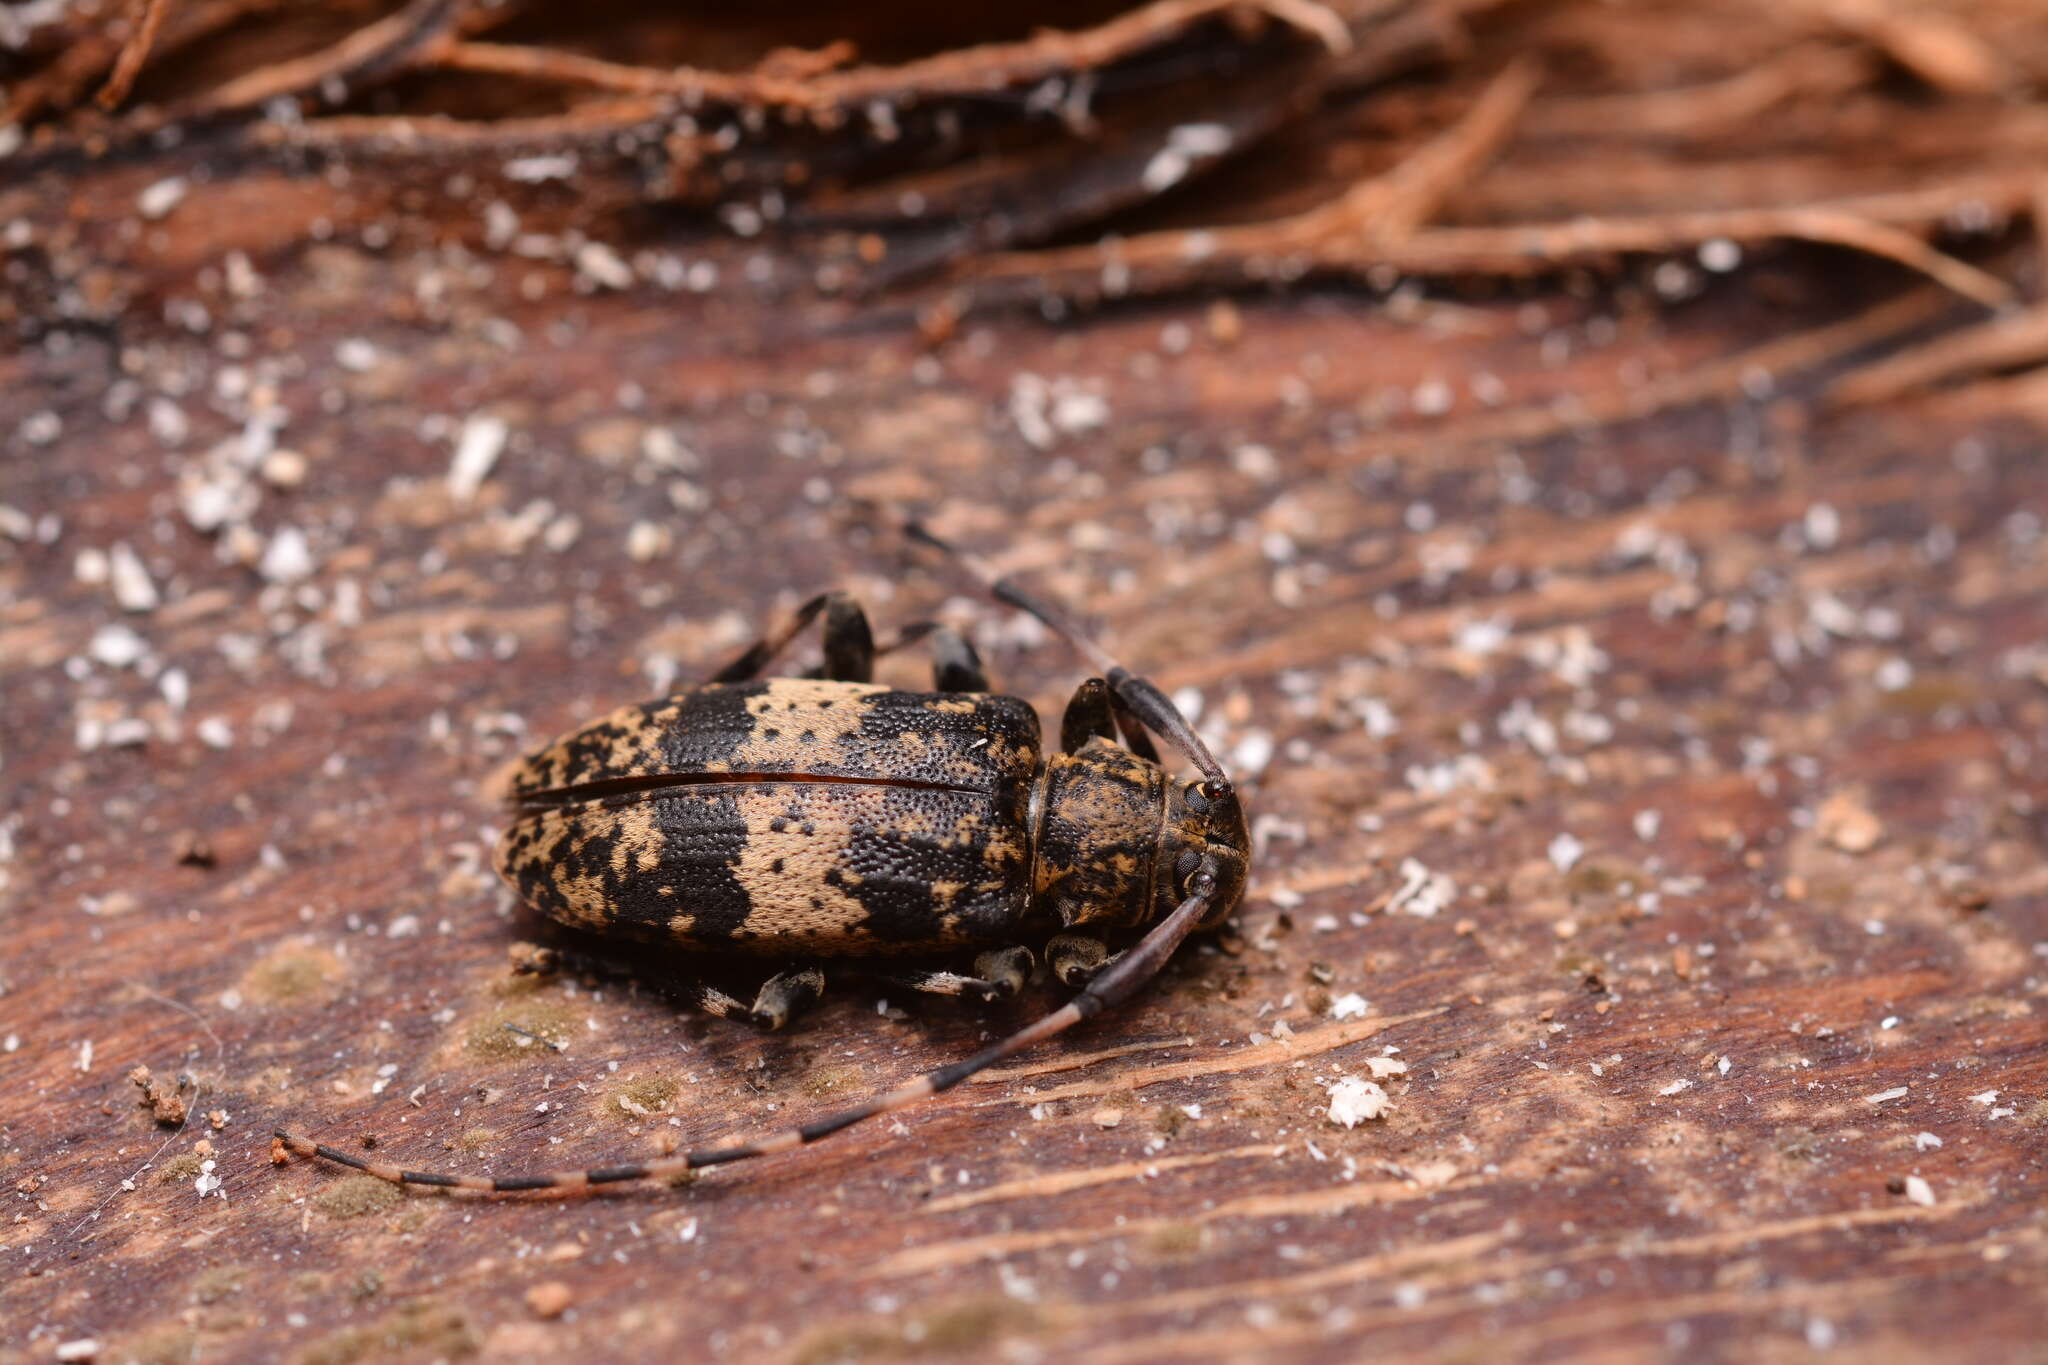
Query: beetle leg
x=762, y=652
x=785, y=995
x=1076, y=959
x=907, y=636
x=903, y=639
x=1114, y=985
x=849, y=643
x=1136, y=739
x=1007, y=969
x=936, y=981
x=1140, y=696
x=955, y=665
x=1088, y=717
x=533, y=959
x=998, y=974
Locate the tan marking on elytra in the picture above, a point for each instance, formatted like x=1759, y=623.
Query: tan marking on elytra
x=917, y=824
x=800, y=891
x=782, y=898
x=640, y=845
x=791, y=708
x=583, y=899
x=1003, y=755
x=632, y=752
x=954, y=706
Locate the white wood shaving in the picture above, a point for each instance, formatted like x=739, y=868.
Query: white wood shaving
x=1353, y=1100
x=476, y=451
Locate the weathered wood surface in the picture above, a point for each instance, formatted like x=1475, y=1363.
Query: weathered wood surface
x=1712, y=739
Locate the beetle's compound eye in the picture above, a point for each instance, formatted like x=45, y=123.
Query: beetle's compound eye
x=1185, y=865
x=1197, y=797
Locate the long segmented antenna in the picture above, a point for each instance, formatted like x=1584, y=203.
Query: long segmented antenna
x=1118, y=981
x=1145, y=701
x=1122, y=978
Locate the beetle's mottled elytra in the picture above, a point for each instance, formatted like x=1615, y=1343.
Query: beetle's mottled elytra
x=825, y=820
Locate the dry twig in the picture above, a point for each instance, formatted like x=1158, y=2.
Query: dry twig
x=135, y=52
x=2012, y=342
x=1933, y=46
x=373, y=51
x=1172, y=260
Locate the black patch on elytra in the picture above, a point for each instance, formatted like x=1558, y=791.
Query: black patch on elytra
x=699, y=836
x=530, y=871
x=711, y=724
x=943, y=734
x=704, y=836
x=894, y=876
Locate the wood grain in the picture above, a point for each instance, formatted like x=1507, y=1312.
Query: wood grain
x=1710, y=730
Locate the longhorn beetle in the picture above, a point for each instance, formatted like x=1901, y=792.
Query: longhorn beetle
x=822, y=818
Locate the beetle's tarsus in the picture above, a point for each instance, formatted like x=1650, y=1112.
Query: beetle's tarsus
x=849, y=641
x=1006, y=970
x=1088, y=717
x=534, y=959
x=1077, y=959
x=955, y=665
x=786, y=995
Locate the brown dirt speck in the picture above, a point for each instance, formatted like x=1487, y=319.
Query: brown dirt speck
x=490, y=1040
x=423, y=1329
x=966, y=1326
x=356, y=1195
x=1846, y=822
x=550, y=1298
x=184, y=1166
x=831, y=1080
x=221, y=1282
x=644, y=1097
x=294, y=974
x=1598, y=877
x=1176, y=1242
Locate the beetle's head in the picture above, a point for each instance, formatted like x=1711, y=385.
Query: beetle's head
x=1205, y=828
